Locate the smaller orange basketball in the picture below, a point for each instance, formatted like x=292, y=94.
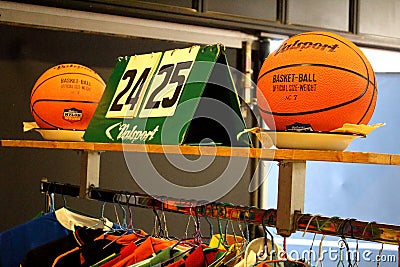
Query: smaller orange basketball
x=66, y=97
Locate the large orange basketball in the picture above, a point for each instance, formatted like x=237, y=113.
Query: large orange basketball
x=316, y=80
x=66, y=96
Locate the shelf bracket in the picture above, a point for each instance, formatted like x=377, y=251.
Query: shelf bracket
x=291, y=189
x=90, y=171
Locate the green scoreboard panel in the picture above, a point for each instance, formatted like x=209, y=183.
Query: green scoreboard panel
x=182, y=96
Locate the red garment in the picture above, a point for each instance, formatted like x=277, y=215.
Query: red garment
x=197, y=258
x=125, y=252
x=146, y=249
x=178, y=263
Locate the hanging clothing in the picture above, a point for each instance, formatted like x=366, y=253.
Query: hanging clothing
x=16, y=242
x=198, y=258
x=230, y=246
x=147, y=248
x=46, y=254
x=69, y=219
x=159, y=257
x=129, y=246
x=88, y=253
x=125, y=252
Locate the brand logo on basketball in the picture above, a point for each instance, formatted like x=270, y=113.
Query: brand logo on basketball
x=299, y=46
x=299, y=127
x=72, y=114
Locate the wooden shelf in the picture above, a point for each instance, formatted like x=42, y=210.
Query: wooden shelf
x=264, y=154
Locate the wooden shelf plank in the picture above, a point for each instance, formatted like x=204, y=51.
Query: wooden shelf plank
x=265, y=154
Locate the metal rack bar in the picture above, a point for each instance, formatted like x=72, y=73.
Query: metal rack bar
x=333, y=226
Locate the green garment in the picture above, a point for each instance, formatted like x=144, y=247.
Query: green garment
x=156, y=258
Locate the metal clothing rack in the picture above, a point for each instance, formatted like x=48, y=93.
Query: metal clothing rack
x=291, y=162
x=333, y=226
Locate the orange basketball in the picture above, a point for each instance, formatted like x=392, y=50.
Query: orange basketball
x=317, y=81
x=66, y=96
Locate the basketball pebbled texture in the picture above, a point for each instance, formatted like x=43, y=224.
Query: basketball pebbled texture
x=66, y=97
x=316, y=79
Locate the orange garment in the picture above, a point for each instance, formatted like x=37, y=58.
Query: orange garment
x=125, y=252
x=124, y=239
x=121, y=240
x=146, y=249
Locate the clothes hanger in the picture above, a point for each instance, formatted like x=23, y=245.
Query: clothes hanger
x=245, y=235
x=129, y=229
x=340, y=261
x=190, y=218
x=192, y=241
x=157, y=229
x=186, y=244
x=163, y=220
x=356, y=258
x=121, y=227
x=265, y=253
x=226, y=226
x=273, y=255
x=320, y=255
x=378, y=262
x=124, y=214
x=72, y=209
x=221, y=239
x=315, y=217
x=49, y=204
x=234, y=245
x=130, y=225
x=101, y=220
x=343, y=244
x=348, y=221
x=130, y=222
x=370, y=224
x=205, y=216
x=197, y=233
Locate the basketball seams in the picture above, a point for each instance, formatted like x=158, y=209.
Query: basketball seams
x=369, y=105
x=316, y=65
x=52, y=100
x=317, y=110
x=43, y=120
x=369, y=83
x=339, y=40
x=346, y=44
x=326, y=108
x=65, y=100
